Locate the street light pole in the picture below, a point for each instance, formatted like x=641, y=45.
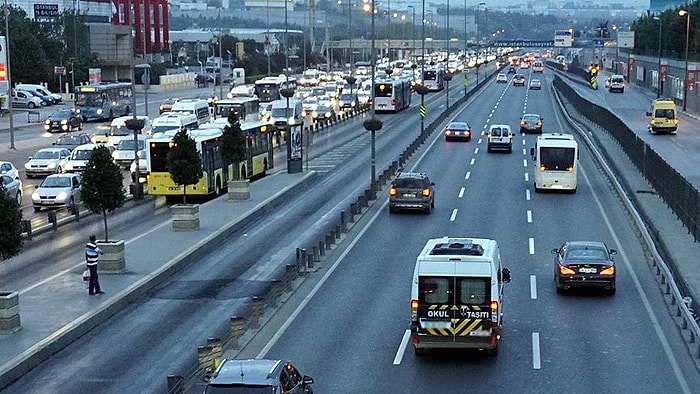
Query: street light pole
x=373, y=164
x=9, y=75
x=687, y=35
x=422, y=66
x=413, y=28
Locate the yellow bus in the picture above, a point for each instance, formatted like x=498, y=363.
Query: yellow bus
x=214, y=176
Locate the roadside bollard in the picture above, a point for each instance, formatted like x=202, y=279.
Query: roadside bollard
x=236, y=329
x=343, y=226
x=289, y=276
x=257, y=309
x=309, y=261
x=27, y=228
x=276, y=290
x=315, y=253
x=176, y=384
x=353, y=212
x=304, y=260
x=75, y=211
x=337, y=231
x=328, y=242
x=217, y=352
x=321, y=248
x=52, y=220
x=205, y=360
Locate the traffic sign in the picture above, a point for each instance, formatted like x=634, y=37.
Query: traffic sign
x=59, y=70
x=523, y=43
x=421, y=110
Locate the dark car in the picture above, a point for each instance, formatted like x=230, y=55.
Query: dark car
x=65, y=119
x=531, y=123
x=518, y=80
x=323, y=113
x=458, y=130
x=584, y=264
x=411, y=190
x=70, y=141
x=258, y=376
x=511, y=70
x=167, y=105
x=348, y=101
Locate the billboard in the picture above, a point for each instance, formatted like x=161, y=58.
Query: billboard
x=657, y=6
x=562, y=38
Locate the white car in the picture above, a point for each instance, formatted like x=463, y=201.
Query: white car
x=501, y=78
x=47, y=161
x=310, y=104
x=57, y=190
x=9, y=169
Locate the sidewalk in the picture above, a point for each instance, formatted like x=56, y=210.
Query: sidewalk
x=51, y=315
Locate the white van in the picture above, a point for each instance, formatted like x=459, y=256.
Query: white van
x=124, y=152
x=174, y=121
x=457, y=295
x=41, y=89
x=200, y=108
x=283, y=117
x=117, y=130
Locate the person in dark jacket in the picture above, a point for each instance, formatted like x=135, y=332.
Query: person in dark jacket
x=92, y=256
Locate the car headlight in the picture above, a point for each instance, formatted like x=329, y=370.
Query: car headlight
x=51, y=165
x=62, y=196
x=291, y=121
x=327, y=115
x=47, y=126
x=77, y=110
x=35, y=196
x=64, y=122
x=314, y=114
x=27, y=165
x=48, y=122
x=99, y=111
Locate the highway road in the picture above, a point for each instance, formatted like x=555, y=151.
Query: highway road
x=351, y=335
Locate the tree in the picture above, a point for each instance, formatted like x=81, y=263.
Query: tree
x=233, y=144
x=10, y=226
x=184, y=163
x=102, y=184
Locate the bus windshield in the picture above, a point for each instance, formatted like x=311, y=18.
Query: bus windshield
x=557, y=159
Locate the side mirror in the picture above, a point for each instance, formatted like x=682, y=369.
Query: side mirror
x=612, y=252
x=532, y=153
x=307, y=380
x=648, y=113
x=505, y=275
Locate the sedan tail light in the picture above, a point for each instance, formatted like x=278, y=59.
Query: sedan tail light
x=566, y=270
x=608, y=271
x=426, y=192
x=392, y=191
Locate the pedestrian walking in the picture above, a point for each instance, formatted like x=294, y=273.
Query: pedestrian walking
x=92, y=256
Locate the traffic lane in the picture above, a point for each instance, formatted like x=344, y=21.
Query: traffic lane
x=439, y=377
x=631, y=107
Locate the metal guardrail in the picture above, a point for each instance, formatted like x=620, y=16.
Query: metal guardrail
x=683, y=315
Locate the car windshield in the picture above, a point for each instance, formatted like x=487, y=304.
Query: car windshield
x=238, y=389
x=587, y=253
x=310, y=100
x=347, y=97
x=409, y=183
x=496, y=131
x=56, y=182
x=46, y=154
x=61, y=113
x=458, y=126
x=531, y=118
x=82, y=154
x=128, y=144
x=67, y=141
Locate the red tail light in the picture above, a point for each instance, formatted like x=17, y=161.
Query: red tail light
x=393, y=102
x=414, y=311
x=494, y=313
x=426, y=192
x=539, y=123
x=523, y=123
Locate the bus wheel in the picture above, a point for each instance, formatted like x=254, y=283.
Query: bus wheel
x=217, y=188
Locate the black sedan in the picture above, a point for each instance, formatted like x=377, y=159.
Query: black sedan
x=63, y=120
x=70, y=141
x=458, y=130
x=579, y=264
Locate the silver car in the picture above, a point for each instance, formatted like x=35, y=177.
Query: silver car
x=13, y=188
x=57, y=190
x=23, y=99
x=47, y=161
x=7, y=168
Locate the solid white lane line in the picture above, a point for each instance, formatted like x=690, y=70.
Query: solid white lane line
x=531, y=245
x=402, y=347
x=529, y=216
x=454, y=215
x=461, y=192
x=533, y=287
x=536, y=363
